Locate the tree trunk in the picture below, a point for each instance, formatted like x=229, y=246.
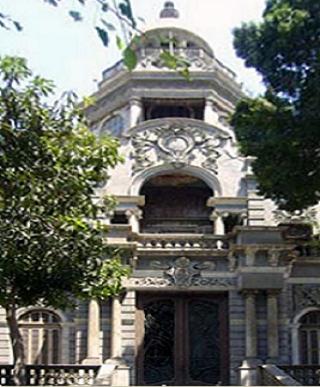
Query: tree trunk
x=19, y=369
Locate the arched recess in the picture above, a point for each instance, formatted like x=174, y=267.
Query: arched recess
x=297, y=327
x=176, y=202
x=45, y=333
x=208, y=177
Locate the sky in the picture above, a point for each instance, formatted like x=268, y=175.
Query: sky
x=72, y=55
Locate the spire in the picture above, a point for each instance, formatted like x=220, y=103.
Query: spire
x=169, y=11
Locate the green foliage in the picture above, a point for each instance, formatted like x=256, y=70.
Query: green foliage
x=281, y=128
x=177, y=63
x=130, y=58
x=106, y=283
x=52, y=244
x=126, y=10
x=103, y=35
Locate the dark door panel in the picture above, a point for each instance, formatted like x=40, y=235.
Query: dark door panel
x=182, y=339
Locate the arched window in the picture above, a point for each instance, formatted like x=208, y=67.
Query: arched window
x=41, y=332
x=113, y=126
x=309, y=338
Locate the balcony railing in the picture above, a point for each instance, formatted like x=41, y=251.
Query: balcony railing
x=271, y=375
x=181, y=242
x=199, y=57
x=307, y=375
x=177, y=225
x=52, y=375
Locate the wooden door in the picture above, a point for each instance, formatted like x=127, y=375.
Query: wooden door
x=182, y=339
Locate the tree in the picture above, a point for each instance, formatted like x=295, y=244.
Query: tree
x=281, y=128
x=52, y=247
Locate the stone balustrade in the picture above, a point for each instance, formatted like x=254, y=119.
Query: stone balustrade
x=52, y=375
x=197, y=56
x=185, y=242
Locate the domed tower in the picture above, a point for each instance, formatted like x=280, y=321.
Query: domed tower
x=204, y=252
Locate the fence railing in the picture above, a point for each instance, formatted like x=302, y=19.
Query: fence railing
x=271, y=375
x=53, y=375
x=307, y=375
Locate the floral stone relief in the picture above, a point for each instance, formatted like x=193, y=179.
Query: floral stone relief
x=177, y=146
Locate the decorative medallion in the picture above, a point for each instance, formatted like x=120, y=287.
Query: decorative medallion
x=177, y=146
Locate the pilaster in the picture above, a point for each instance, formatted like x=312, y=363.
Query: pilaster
x=93, y=336
x=272, y=326
x=135, y=111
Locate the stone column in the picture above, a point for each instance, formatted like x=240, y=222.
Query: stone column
x=251, y=325
x=244, y=218
x=135, y=111
x=114, y=371
x=134, y=215
x=93, y=338
x=273, y=330
x=248, y=369
x=210, y=115
x=218, y=224
x=116, y=328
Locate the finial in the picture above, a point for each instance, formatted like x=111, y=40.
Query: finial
x=169, y=11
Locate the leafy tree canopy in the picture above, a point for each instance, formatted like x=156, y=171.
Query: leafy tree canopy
x=281, y=128
x=52, y=244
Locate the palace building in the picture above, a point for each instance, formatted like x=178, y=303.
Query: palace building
x=224, y=288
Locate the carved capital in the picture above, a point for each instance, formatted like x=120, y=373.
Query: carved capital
x=136, y=212
x=232, y=260
x=251, y=252
x=135, y=101
x=273, y=293
x=273, y=257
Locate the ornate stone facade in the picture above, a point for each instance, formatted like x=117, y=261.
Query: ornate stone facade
x=178, y=144
x=208, y=255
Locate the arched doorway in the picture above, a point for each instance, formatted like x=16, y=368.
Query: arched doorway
x=176, y=203
x=309, y=338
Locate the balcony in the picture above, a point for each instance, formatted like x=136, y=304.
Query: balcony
x=182, y=243
x=191, y=225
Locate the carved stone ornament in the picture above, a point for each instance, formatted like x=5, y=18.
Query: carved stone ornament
x=196, y=58
x=157, y=282
x=307, y=216
x=182, y=273
x=177, y=146
x=306, y=296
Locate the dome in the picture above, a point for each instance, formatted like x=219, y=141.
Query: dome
x=169, y=25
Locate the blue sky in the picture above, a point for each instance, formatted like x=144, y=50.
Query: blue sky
x=73, y=57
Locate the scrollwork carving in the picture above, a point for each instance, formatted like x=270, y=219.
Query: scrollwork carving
x=158, y=282
x=178, y=146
